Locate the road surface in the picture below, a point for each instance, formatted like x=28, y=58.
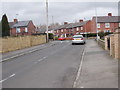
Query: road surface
x=52, y=67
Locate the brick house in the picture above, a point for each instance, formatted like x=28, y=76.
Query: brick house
x=21, y=28
x=70, y=29
x=105, y=23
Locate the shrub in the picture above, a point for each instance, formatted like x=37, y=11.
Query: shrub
x=51, y=35
x=90, y=35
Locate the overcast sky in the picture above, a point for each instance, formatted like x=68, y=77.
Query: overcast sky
x=61, y=11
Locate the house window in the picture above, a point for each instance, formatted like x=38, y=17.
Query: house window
x=62, y=30
x=17, y=30
x=98, y=25
x=107, y=25
x=26, y=29
x=81, y=28
x=77, y=29
x=119, y=24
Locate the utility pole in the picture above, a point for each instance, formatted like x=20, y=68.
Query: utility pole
x=47, y=20
x=16, y=26
x=96, y=23
x=85, y=28
x=52, y=20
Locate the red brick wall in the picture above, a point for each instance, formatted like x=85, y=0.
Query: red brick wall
x=88, y=26
x=31, y=28
x=93, y=25
x=113, y=26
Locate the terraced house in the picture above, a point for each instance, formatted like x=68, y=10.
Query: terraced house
x=70, y=29
x=105, y=23
x=21, y=27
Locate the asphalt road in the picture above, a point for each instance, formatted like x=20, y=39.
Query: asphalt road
x=52, y=67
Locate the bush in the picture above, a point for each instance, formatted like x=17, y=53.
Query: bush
x=90, y=35
x=102, y=34
x=56, y=38
x=51, y=36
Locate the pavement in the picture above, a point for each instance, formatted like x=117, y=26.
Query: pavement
x=97, y=69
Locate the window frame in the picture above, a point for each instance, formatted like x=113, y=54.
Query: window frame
x=107, y=25
x=18, y=30
x=81, y=28
x=77, y=29
x=26, y=29
x=98, y=25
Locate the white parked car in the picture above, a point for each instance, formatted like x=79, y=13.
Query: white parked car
x=78, y=39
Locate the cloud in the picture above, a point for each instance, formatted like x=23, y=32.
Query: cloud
x=61, y=11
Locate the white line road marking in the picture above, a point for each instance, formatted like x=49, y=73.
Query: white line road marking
x=40, y=59
x=44, y=57
x=79, y=71
x=7, y=78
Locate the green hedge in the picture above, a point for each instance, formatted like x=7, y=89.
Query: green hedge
x=101, y=34
x=90, y=35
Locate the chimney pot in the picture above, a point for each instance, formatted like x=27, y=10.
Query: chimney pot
x=109, y=14
x=65, y=23
x=81, y=20
x=15, y=20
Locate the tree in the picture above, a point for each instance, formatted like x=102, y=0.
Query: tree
x=5, y=26
x=0, y=29
x=101, y=34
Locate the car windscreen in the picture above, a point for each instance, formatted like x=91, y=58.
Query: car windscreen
x=77, y=37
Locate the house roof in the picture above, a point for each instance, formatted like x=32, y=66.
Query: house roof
x=19, y=24
x=11, y=24
x=70, y=25
x=108, y=19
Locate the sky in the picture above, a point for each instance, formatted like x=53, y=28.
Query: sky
x=58, y=11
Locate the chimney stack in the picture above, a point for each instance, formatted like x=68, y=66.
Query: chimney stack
x=109, y=14
x=81, y=20
x=15, y=20
x=65, y=23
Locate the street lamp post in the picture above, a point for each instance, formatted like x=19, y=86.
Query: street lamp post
x=85, y=28
x=16, y=26
x=96, y=23
x=47, y=20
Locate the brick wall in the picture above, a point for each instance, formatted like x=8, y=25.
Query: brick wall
x=114, y=44
x=117, y=45
x=101, y=43
x=16, y=43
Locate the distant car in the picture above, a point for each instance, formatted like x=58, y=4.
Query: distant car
x=62, y=38
x=78, y=39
